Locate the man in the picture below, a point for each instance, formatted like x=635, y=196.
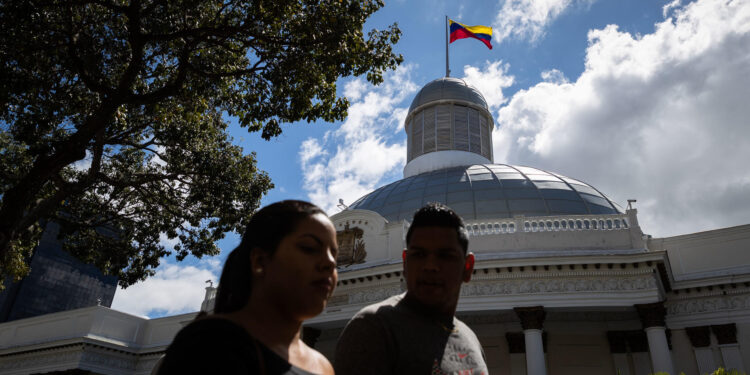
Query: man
x=417, y=332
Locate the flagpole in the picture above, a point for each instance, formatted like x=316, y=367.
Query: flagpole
x=447, y=66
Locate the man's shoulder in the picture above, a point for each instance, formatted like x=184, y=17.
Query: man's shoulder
x=464, y=329
x=383, y=308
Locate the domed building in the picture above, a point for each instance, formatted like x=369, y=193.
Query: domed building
x=565, y=281
x=449, y=160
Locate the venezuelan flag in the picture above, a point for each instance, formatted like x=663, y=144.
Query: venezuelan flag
x=460, y=31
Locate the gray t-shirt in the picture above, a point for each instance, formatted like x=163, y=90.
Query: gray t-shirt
x=391, y=337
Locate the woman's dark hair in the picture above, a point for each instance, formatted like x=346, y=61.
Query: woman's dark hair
x=264, y=232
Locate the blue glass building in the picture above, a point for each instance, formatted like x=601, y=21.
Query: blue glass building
x=57, y=282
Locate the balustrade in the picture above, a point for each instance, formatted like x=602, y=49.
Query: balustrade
x=547, y=224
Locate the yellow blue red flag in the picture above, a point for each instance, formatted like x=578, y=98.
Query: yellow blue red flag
x=460, y=31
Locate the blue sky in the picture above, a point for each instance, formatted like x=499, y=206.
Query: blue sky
x=641, y=99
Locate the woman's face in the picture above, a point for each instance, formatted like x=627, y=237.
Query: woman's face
x=301, y=275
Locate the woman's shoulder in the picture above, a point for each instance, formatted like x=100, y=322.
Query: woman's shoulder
x=212, y=334
x=210, y=345
x=317, y=362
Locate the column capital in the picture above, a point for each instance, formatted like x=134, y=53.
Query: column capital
x=725, y=333
x=531, y=317
x=700, y=337
x=652, y=314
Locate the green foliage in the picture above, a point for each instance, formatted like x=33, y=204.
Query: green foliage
x=112, y=115
x=722, y=371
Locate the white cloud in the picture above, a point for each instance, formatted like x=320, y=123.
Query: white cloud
x=528, y=19
x=367, y=149
x=175, y=289
x=83, y=164
x=397, y=118
x=157, y=160
x=673, y=5
x=310, y=149
x=167, y=242
x=660, y=117
x=490, y=82
x=353, y=89
x=554, y=76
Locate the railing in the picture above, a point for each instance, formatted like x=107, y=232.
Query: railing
x=548, y=224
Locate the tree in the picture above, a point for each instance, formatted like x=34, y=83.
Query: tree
x=113, y=115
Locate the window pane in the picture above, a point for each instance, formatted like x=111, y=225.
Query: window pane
x=542, y=177
x=526, y=205
x=566, y=207
x=595, y=199
x=429, y=130
x=510, y=176
x=584, y=189
x=487, y=207
x=551, y=185
x=460, y=196
x=486, y=184
x=443, y=127
x=560, y=194
x=482, y=176
x=460, y=128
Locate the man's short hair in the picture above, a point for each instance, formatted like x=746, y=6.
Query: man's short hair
x=436, y=214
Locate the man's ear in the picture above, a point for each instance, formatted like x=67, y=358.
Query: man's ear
x=468, y=267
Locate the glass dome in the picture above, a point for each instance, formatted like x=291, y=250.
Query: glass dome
x=486, y=191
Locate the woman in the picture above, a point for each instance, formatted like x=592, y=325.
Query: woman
x=282, y=273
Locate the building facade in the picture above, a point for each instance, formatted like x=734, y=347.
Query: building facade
x=57, y=282
x=565, y=280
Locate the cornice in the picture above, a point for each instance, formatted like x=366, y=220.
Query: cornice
x=85, y=341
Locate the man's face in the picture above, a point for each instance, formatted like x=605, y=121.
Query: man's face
x=435, y=266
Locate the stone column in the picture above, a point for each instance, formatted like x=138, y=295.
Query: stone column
x=618, y=347
x=517, y=350
x=532, y=320
x=700, y=337
x=682, y=353
x=652, y=317
x=638, y=344
x=726, y=335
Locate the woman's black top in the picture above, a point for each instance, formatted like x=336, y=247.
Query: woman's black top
x=219, y=346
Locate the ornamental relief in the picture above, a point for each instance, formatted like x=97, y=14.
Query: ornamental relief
x=147, y=364
x=374, y=295
x=109, y=361
x=38, y=360
x=338, y=300
x=719, y=303
x=351, y=246
x=510, y=287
